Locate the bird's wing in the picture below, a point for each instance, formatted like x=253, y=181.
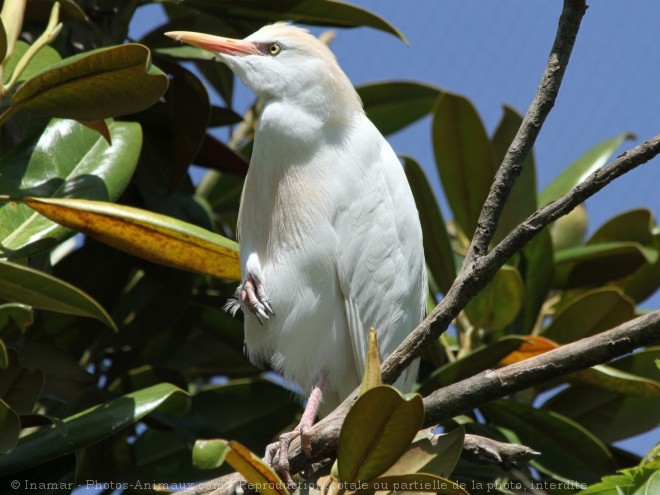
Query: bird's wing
x=381, y=267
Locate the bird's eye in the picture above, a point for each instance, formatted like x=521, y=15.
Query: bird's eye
x=274, y=48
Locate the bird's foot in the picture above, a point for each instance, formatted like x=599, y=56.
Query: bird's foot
x=277, y=452
x=253, y=297
x=280, y=450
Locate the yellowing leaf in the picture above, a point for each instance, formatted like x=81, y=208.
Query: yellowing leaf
x=254, y=470
x=151, y=236
x=533, y=346
x=371, y=376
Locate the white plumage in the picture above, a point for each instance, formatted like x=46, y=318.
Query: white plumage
x=328, y=226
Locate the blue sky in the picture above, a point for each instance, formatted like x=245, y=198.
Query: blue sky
x=494, y=53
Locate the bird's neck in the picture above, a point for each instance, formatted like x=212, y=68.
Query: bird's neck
x=301, y=122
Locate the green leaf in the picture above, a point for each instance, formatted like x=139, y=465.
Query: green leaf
x=391, y=106
x=107, y=82
x=188, y=117
x=93, y=425
x=431, y=453
x=609, y=415
x=65, y=378
x=589, y=313
x=13, y=314
x=437, y=245
x=377, y=431
x=596, y=264
x=186, y=52
x=216, y=155
x=209, y=454
x=40, y=290
x=497, y=304
x=20, y=387
x=613, y=415
x=643, y=282
x=464, y=158
x=157, y=238
x=316, y=12
x=480, y=359
x=221, y=116
x=567, y=449
x=569, y=231
x=68, y=160
x=614, y=380
x=522, y=199
x=640, y=480
x=579, y=170
x=631, y=226
x=10, y=427
x=537, y=271
x=43, y=59
x=71, y=10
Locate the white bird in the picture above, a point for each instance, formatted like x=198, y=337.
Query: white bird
x=330, y=237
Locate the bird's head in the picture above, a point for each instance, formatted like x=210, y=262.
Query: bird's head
x=282, y=62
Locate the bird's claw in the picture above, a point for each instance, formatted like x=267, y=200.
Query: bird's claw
x=253, y=296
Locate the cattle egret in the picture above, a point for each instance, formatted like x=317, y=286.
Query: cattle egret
x=331, y=242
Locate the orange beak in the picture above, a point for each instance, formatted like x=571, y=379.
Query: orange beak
x=228, y=46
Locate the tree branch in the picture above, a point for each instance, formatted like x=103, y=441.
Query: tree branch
x=477, y=390
x=488, y=385
x=475, y=274
x=523, y=142
x=473, y=279
x=463, y=396
x=484, y=450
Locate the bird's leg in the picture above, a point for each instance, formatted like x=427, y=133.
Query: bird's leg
x=303, y=430
x=253, y=296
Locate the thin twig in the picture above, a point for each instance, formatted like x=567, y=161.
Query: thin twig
x=523, y=142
